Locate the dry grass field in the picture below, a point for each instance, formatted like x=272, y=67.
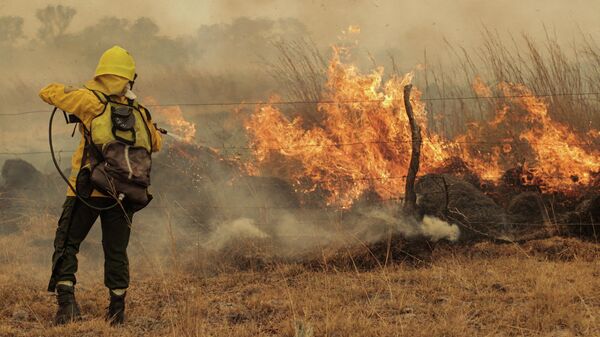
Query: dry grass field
x=510, y=141
x=545, y=287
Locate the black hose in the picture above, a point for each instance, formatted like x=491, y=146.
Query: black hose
x=63, y=175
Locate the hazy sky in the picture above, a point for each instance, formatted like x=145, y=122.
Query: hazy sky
x=405, y=27
x=384, y=23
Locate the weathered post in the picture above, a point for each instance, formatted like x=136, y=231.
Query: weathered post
x=410, y=198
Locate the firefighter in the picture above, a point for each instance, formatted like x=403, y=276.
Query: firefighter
x=110, y=118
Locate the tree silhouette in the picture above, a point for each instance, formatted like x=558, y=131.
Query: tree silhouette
x=11, y=29
x=55, y=20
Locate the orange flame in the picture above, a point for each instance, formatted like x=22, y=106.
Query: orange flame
x=177, y=125
x=363, y=142
x=522, y=134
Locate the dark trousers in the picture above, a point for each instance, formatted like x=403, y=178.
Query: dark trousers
x=74, y=225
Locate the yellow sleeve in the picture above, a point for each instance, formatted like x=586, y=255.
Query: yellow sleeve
x=156, y=139
x=80, y=102
x=156, y=135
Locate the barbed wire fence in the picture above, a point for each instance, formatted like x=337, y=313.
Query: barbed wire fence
x=590, y=95
x=376, y=101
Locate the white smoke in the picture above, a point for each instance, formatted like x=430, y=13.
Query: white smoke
x=294, y=236
x=436, y=229
x=286, y=230
x=227, y=232
x=431, y=227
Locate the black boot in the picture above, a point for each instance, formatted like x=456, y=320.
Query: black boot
x=68, y=310
x=116, y=309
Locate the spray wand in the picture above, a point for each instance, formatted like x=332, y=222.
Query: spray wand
x=167, y=133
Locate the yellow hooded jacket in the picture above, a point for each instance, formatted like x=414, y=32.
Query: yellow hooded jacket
x=86, y=106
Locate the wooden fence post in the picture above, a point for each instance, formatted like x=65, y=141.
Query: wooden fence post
x=410, y=198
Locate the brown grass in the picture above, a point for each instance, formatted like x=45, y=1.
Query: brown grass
x=547, y=66
x=300, y=72
x=542, y=288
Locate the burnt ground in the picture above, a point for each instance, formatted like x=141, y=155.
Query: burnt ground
x=519, y=270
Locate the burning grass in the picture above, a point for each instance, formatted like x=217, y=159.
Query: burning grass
x=359, y=146
x=362, y=143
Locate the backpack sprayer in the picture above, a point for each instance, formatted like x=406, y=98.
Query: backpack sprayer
x=70, y=119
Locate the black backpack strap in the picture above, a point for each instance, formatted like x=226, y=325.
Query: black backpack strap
x=87, y=136
x=143, y=108
x=104, y=99
x=100, y=95
x=146, y=114
x=83, y=184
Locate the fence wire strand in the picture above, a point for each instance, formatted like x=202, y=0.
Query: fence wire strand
x=296, y=146
x=331, y=208
x=296, y=102
x=228, y=148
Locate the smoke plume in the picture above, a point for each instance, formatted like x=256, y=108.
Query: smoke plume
x=430, y=227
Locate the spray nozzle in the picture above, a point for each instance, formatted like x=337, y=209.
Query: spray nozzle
x=161, y=130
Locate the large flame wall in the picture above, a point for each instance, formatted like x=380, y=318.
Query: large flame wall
x=363, y=142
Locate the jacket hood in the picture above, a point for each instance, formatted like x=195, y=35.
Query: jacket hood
x=110, y=85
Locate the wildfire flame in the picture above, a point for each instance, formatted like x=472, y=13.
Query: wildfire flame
x=363, y=142
x=522, y=133
x=172, y=117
